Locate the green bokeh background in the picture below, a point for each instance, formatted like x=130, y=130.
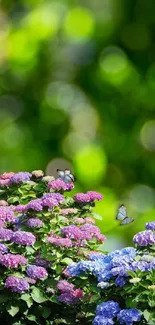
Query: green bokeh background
x=77, y=90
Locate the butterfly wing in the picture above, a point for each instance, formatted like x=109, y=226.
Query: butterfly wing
x=61, y=173
x=121, y=215
x=126, y=221
x=68, y=177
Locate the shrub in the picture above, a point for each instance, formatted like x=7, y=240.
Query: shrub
x=42, y=231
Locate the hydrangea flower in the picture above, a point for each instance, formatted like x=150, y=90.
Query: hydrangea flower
x=3, y=249
x=6, y=175
x=5, y=234
x=72, y=297
x=128, y=316
x=38, y=173
x=36, y=272
x=23, y=238
x=100, y=320
x=144, y=238
x=69, y=211
x=88, y=197
x=63, y=242
x=6, y=214
x=12, y=260
x=21, y=208
x=150, y=225
x=108, y=309
x=35, y=205
x=20, y=177
x=34, y=223
x=16, y=284
x=52, y=199
x=65, y=286
x=4, y=182
x=58, y=184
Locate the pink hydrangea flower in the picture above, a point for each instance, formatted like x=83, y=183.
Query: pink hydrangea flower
x=58, y=184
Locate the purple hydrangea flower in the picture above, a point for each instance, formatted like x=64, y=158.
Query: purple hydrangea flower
x=23, y=238
x=128, y=316
x=100, y=320
x=35, y=205
x=36, y=272
x=5, y=234
x=140, y=265
x=16, y=284
x=6, y=214
x=95, y=196
x=150, y=225
x=87, y=197
x=65, y=286
x=20, y=177
x=82, y=197
x=71, y=297
x=21, y=208
x=63, y=242
x=108, y=309
x=58, y=184
x=144, y=238
x=74, y=232
x=3, y=249
x=12, y=260
x=34, y=223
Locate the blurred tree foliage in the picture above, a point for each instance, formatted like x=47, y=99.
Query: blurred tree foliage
x=77, y=88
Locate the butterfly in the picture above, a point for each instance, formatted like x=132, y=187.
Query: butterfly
x=122, y=216
x=66, y=175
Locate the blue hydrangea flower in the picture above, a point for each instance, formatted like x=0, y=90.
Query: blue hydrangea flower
x=128, y=316
x=108, y=309
x=150, y=225
x=120, y=281
x=100, y=320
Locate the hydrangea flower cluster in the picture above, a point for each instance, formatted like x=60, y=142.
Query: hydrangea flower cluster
x=16, y=284
x=144, y=238
x=88, y=197
x=69, y=295
x=23, y=238
x=34, y=223
x=12, y=260
x=20, y=177
x=6, y=214
x=110, y=310
x=36, y=272
x=58, y=185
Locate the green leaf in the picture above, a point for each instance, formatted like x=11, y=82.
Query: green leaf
x=96, y=216
x=146, y=315
x=25, y=296
x=13, y=310
x=38, y=296
x=67, y=261
x=13, y=199
x=32, y=318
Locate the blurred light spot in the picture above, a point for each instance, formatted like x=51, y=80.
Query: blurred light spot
x=90, y=164
x=57, y=163
x=85, y=121
x=142, y=198
x=81, y=53
x=10, y=109
x=64, y=96
x=136, y=37
x=42, y=22
x=114, y=65
x=12, y=136
x=79, y=23
x=147, y=135
x=73, y=143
